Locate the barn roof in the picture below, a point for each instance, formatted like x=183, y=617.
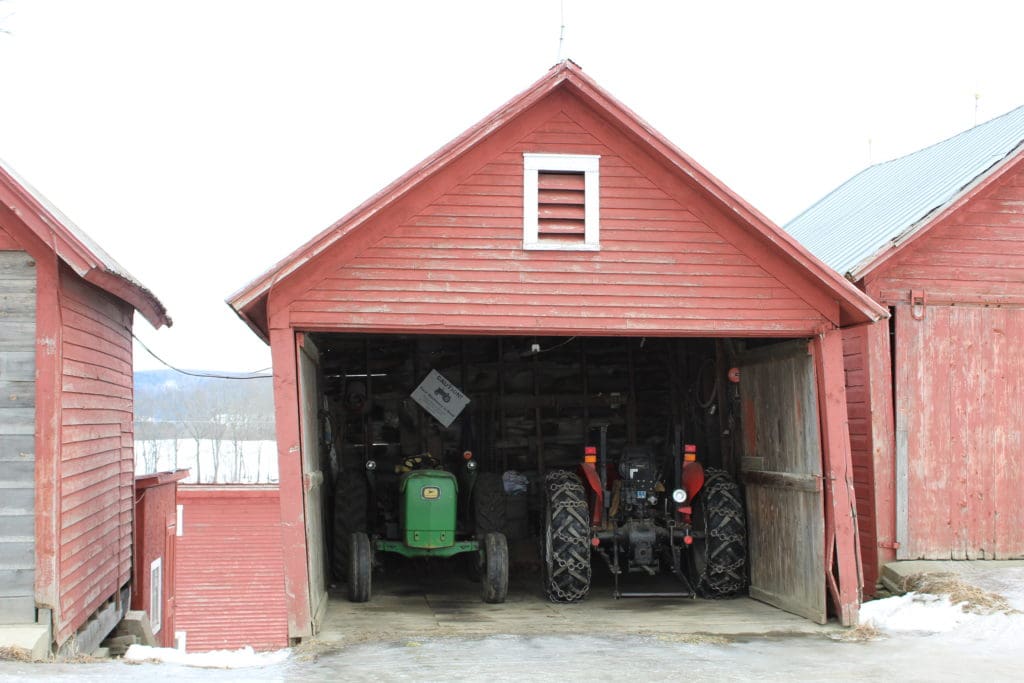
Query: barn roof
x=250, y=303
x=863, y=221
x=75, y=248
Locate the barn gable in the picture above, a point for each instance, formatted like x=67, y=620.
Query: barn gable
x=972, y=254
x=679, y=252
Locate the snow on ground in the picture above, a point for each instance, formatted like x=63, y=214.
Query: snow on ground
x=220, y=461
x=924, y=639
x=217, y=659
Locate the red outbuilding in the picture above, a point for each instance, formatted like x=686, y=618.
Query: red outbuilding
x=934, y=399
x=156, y=530
x=563, y=239
x=66, y=313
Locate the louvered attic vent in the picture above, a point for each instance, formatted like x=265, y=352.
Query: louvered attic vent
x=560, y=202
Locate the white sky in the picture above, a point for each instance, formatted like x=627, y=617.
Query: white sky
x=200, y=141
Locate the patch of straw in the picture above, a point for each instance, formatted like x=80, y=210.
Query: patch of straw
x=9, y=653
x=972, y=598
x=859, y=634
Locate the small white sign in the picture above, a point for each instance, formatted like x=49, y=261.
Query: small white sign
x=440, y=398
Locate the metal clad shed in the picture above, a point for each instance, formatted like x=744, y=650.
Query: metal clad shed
x=66, y=433
x=938, y=237
x=466, y=245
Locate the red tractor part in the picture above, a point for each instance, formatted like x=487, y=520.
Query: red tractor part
x=590, y=473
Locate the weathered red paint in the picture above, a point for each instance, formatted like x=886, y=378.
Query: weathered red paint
x=951, y=364
x=841, y=549
x=230, y=568
x=83, y=415
x=154, y=528
x=440, y=250
x=289, y=462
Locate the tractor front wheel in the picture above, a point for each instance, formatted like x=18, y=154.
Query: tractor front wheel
x=360, y=567
x=350, y=505
x=718, y=561
x=565, y=538
x=494, y=582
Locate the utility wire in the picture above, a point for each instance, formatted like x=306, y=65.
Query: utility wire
x=212, y=375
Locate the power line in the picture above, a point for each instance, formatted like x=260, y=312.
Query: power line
x=211, y=375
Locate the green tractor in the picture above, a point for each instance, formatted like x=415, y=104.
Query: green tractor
x=415, y=513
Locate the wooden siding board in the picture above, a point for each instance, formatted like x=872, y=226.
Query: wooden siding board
x=963, y=420
x=472, y=233
x=229, y=570
x=17, y=429
x=95, y=478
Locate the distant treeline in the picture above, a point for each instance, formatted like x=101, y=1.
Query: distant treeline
x=171, y=405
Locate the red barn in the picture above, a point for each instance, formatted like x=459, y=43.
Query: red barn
x=935, y=398
x=565, y=265
x=66, y=311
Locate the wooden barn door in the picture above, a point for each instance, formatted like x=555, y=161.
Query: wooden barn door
x=782, y=472
x=312, y=477
x=959, y=420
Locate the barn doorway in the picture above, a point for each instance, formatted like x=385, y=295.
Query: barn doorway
x=535, y=403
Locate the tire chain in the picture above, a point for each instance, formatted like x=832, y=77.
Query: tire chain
x=568, y=579
x=726, y=566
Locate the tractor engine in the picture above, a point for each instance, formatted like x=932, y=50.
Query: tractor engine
x=638, y=472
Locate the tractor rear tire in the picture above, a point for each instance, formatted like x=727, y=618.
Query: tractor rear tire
x=489, y=504
x=565, y=538
x=718, y=562
x=494, y=582
x=350, y=496
x=360, y=572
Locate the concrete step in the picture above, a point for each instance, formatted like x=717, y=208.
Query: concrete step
x=31, y=639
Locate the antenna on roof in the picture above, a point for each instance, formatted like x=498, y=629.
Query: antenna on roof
x=561, y=31
x=977, y=96
x=870, y=155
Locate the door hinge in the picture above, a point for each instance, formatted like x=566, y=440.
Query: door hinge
x=918, y=303
x=889, y=545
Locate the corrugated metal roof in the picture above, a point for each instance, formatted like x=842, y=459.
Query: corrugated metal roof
x=888, y=201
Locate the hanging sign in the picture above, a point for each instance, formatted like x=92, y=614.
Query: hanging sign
x=440, y=398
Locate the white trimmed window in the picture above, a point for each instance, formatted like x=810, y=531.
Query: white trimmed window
x=560, y=202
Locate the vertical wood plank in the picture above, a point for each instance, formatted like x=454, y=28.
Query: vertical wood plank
x=289, y=458
x=838, y=469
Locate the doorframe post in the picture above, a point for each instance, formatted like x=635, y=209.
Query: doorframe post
x=842, y=554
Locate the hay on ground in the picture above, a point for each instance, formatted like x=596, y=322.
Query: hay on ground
x=973, y=599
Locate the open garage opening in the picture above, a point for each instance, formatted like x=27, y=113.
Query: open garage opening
x=533, y=405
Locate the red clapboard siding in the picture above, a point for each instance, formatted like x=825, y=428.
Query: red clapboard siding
x=230, y=569
x=858, y=410
x=975, y=255
x=459, y=262
x=97, y=461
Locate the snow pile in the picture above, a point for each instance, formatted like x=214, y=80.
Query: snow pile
x=926, y=613
x=218, y=659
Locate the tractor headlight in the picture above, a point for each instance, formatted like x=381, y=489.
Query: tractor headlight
x=679, y=496
x=371, y=465
x=471, y=465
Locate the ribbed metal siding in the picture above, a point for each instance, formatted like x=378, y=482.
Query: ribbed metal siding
x=230, y=569
x=886, y=201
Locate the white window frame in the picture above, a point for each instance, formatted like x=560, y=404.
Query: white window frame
x=589, y=165
x=156, y=594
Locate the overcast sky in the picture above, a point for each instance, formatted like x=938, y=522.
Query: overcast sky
x=200, y=141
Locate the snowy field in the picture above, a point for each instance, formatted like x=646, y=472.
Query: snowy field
x=219, y=461
x=921, y=638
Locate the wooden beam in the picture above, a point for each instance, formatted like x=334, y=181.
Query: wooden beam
x=837, y=466
x=283, y=351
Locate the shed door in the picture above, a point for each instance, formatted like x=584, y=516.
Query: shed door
x=781, y=468
x=959, y=420
x=312, y=477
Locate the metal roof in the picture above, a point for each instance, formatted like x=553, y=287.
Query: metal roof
x=883, y=204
